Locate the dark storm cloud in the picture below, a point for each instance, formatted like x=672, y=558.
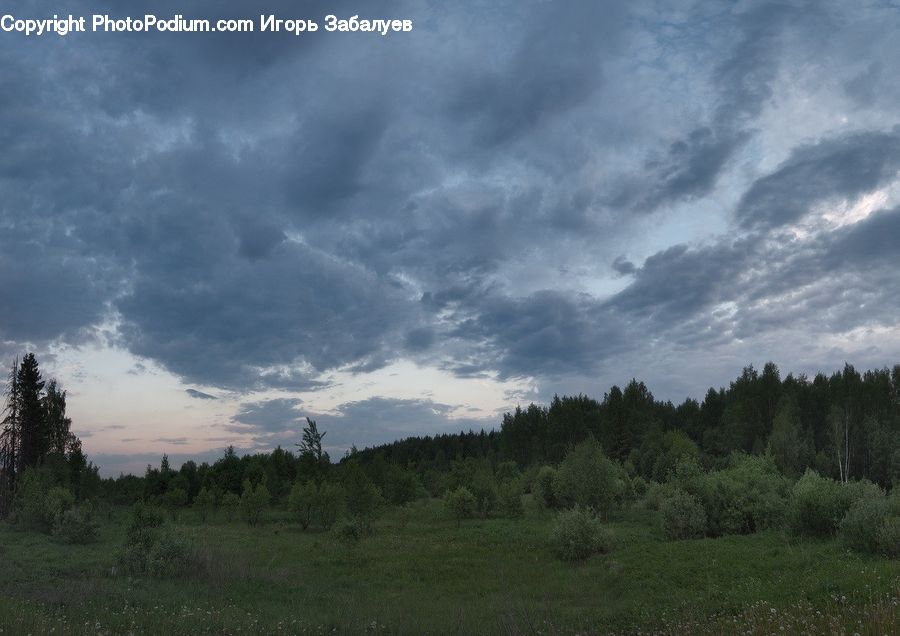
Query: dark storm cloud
x=556, y=66
x=845, y=166
x=690, y=166
x=257, y=211
x=267, y=416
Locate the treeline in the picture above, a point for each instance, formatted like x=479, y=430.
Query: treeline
x=846, y=426
x=35, y=433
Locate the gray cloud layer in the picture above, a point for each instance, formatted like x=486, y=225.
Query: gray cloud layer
x=252, y=211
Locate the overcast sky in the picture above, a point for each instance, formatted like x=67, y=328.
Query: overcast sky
x=207, y=238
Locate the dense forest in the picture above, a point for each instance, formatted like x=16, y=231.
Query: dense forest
x=846, y=426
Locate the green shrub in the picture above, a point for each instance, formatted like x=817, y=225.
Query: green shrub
x=253, y=501
x=889, y=537
x=362, y=496
x=587, y=478
x=578, y=534
x=748, y=495
x=174, y=500
x=330, y=503
x=656, y=494
x=168, y=555
x=401, y=486
x=38, y=503
x=205, y=503
x=682, y=516
x=543, y=486
x=352, y=530
x=75, y=526
x=639, y=487
x=460, y=503
x=150, y=548
x=818, y=504
x=302, y=502
x=484, y=489
x=871, y=525
x=507, y=471
x=231, y=503
x=510, y=498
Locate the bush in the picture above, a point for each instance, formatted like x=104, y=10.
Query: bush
x=150, y=549
x=460, y=503
x=656, y=494
x=302, y=502
x=351, y=531
x=230, y=503
x=38, y=503
x=748, y=495
x=889, y=537
x=510, y=498
x=75, y=526
x=362, y=496
x=330, y=503
x=253, y=501
x=578, y=534
x=484, y=490
x=587, y=478
x=543, y=486
x=639, y=487
x=205, y=503
x=168, y=555
x=871, y=525
x=507, y=471
x=401, y=486
x=174, y=500
x=818, y=504
x=682, y=516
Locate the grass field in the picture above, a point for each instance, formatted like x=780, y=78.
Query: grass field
x=420, y=574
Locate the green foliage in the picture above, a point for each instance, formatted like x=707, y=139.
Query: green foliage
x=38, y=502
x=460, y=503
x=168, y=555
x=231, y=503
x=401, y=486
x=507, y=471
x=331, y=501
x=656, y=493
x=871, y=525
x=639, y=487
x=302, y=502
x=682, y=516
x=253, y=501
x=586, y=477
x=788, y=444
x=350, y=531
x=889, y=537
x=362, y=496
x=484, y=489
x=205, y=503
x=749, y=495
x=150, y=548
x=75, y=526
x=174, y=500
x=578, y=534
x=818, y=504
x=510, y=498
x=543, y=486
x=311, y=503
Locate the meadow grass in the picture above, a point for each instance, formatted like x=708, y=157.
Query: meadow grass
x=419, y=573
